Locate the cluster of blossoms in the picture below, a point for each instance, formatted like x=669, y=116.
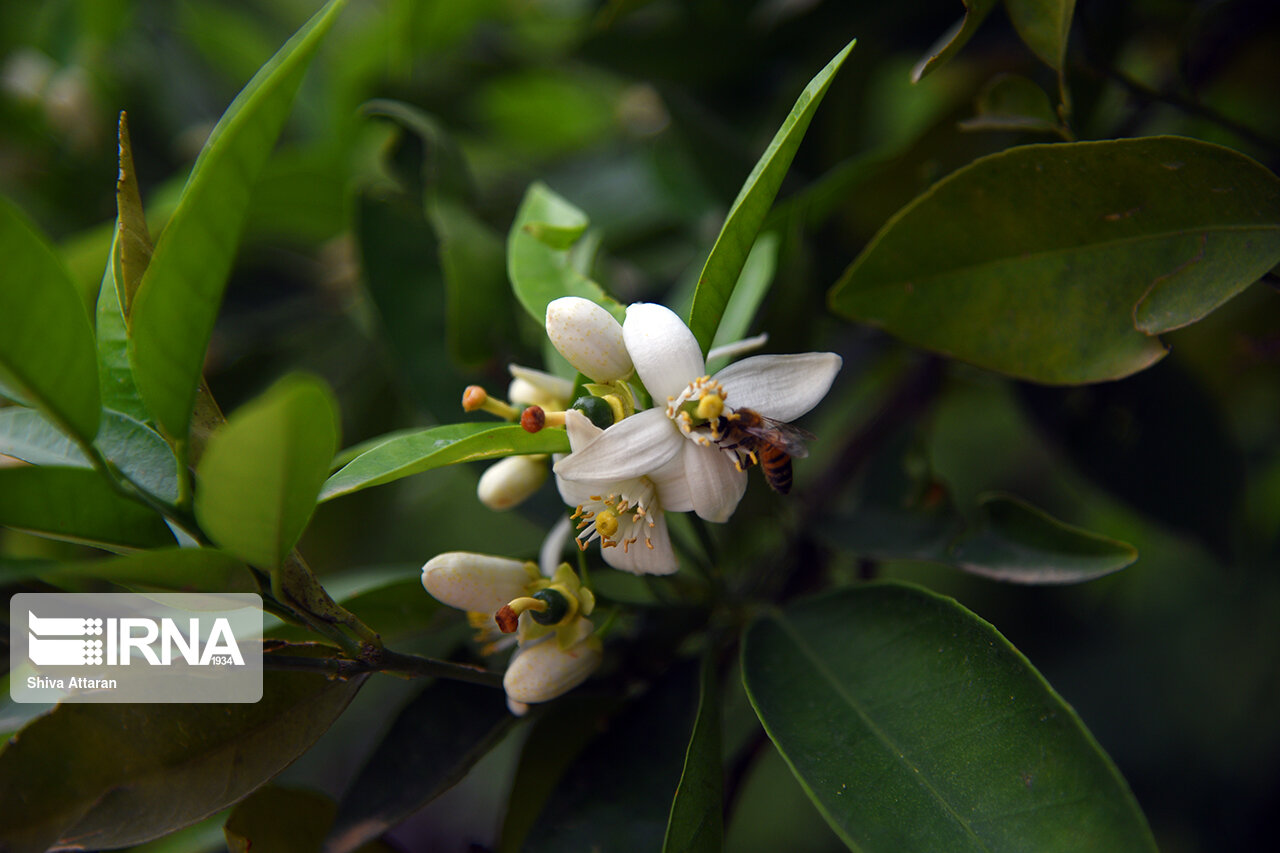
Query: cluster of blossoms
x=627, y=466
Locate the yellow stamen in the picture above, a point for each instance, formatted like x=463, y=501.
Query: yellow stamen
x=475, y=397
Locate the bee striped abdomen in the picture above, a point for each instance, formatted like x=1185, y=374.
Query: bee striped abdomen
x=776, y=466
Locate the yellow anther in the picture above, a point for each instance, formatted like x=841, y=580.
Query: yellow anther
x=607, y=523
x=475, y=397
x=710, y=407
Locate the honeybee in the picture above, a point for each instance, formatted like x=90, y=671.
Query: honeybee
x=752, y=439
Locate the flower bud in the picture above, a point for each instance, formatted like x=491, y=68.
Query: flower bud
x=542, y=671
x=475, y=582
x=509, y=481
x=589, y=338
x=531, y=387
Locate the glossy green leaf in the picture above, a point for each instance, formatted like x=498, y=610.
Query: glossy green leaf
x=177, y=302
x=145, y=770
x=1011, y=102
x=750, y=291
x=697, y=822
x=1018, y=542
x=436, y=447
x=540, y=273
x=135, y=449
x=430, y=746
x=78, y=506
x=950, y=42
x=617, y=795
x=1044, y=26
x=260, y=474
x=724, y=264
x=1059, y=263
x=279, y=820
x=913, y=725
x=46, y=342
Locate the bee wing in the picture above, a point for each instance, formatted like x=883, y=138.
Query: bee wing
x=786, y=437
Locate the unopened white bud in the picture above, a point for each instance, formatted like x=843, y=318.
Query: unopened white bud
x=531, y=387
x=475, y=582
x=589, y=338
x=509, y=481
x=543, y=671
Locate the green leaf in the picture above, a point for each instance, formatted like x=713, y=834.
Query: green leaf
x=258, y=479
x=46, y=342
x=133, y=241
x=135, y=449
x=913, y=725
x=438, y=165
x=748, y=293
x=478, y=317
x=697, y=822
x=1044, y=26
x=1059, y=263
x=1012, y=102
x=78, y=506
x=540, y=273
x=436, y=447
x=1020, y=543
x=170, y=569
x=617, y=795
x=746, y=215
x=116, y=385
x=950, y=42
x=430, y=746
x=400, y=258
x=558, y=237
x=142, y=771
x=279, y=820
x=177, y=302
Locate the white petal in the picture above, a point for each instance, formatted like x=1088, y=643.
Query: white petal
x=574, y=493
x=552, y=551
x=630, y=448
x=665, y=352
x=782, y=387
x=673, y=487
x=544, y=671
x=580, y=428
x=476, y=582
x=508, y=482
x=715, y=483
x=639, y=559
x=588, y=337
x=537, y=388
